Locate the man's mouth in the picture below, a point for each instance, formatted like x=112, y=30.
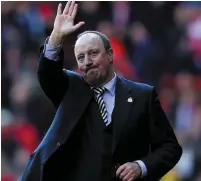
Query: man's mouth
x=91, y=69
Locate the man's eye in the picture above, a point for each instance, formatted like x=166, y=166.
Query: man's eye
x=94, y=53
x=80, y=58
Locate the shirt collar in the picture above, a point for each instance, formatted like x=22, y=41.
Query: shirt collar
x=111, y=85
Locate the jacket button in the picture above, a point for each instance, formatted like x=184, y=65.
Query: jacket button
x=58, y=144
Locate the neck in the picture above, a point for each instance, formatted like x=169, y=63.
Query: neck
x=109, y=78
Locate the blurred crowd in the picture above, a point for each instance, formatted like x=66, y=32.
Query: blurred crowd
x=158, y=43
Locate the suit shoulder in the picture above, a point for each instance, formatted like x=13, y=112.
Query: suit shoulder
x=71, y=74
x=139, y=86
x=76, y=81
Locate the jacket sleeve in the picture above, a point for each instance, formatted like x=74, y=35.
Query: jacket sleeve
x=165, y=150
x=51, y=78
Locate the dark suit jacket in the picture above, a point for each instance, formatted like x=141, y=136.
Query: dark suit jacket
x=141, y=129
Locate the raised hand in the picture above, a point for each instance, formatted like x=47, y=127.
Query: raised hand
x=64, y=23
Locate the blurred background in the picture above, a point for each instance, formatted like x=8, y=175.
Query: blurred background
x=158, y=43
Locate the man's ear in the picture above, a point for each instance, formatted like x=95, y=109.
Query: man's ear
x=110, y=54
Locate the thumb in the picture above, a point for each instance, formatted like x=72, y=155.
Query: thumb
x=78, y=25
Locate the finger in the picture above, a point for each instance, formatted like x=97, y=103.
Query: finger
x=71, y=8
x=127, y=176
x=124, y=173
x=120, y=170
x=67, y=7
x=74, y=11
x=131, y=179
x=59, y=9
x=78, y=25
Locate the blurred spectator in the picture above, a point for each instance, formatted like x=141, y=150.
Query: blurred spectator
x=194, y=39
x=146, y=55
x=121, y=61
x=91, y=12
x=28, y=17
x=121, y=18
x=185, y=101
x=121, y=13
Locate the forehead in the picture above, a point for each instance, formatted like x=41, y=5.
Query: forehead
x=88, y=41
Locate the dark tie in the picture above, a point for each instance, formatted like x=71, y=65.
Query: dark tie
x=102, y=107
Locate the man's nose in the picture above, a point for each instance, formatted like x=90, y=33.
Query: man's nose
x=88, y=61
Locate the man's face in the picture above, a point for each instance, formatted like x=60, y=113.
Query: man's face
x=94, y=63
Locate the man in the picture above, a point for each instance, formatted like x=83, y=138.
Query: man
x=106, y=128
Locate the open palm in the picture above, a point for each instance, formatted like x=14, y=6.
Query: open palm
x=64, y=21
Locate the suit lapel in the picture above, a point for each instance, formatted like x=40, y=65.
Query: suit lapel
x=68, y=114
x=123, y=104
x=77, y=105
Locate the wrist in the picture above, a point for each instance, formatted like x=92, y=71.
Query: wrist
x=142, y=167
x=139, y=169
x=56, y=38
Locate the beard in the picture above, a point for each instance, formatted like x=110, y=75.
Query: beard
x=93, y=78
